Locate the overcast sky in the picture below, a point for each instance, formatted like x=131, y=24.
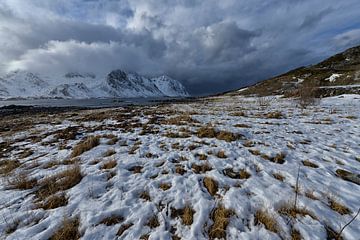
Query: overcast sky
x=209, y=45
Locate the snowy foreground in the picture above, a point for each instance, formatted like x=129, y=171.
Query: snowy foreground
x=223, y=167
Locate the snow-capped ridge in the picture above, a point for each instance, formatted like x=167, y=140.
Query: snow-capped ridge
x=117, y=83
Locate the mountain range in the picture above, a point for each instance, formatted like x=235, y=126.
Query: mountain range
x=117, y=84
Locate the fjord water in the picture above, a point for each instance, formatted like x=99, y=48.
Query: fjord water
x=89, y=103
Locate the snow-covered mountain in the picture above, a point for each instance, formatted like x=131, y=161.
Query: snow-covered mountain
x=24, y=84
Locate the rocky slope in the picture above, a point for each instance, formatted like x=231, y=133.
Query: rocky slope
x=336, y=75
x=23, y=84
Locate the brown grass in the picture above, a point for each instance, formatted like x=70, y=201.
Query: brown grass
x=254, y=152
x=201, y=168
x=242, y=174
x=335, y=205
x=227, y=136
x=54, y=201
x=295, y=234
x=210, y=132
x=165, y=186
x=180, y=120
x=221, y=154
x=288, y=209
x=59, y=182
x=348, y=176
x=269, y=221
x=113, y=140
x=242, y=125
x=201, y=156
x=275, y=114
x=135, y=169
x=238, y=114
x=211, y=185
x=153, y=222
x=26, y=153
x=21, y=181
x=310, y=194
x=123, y=228
x=68, y=230
x=7, y=166
x=84, y=146
x=109, y=152
x=180, y=170
x=206, y=132
x=221, y=218
x=278, y=176
x=279, y=158
x=109, y=164
x=112, y=220
x=145, y=195
x=307, y=163
x=187, y=216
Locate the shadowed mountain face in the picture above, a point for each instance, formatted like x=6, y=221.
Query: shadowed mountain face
x=336, y=75
x=22, y=84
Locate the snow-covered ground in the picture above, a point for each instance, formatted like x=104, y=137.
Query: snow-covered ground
x=152, y=157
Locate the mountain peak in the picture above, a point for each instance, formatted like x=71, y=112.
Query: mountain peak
x=117, y=83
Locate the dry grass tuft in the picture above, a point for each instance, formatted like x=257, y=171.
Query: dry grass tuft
x=26, y=153
x=109, y=152
x=210, y=132
x=242, y=125
x=238, y=114
x=335, y=205
x=275, y=114
x=269, y=221
x=180, y=170
x=348, y=176
x=135, y=169
x=201, y=156
x=113, y=140
x=201, y=168
x=290, y=210
x=109, y=164
x=153, y=222
x=310, y=194
x=278, y=176
x=187, y=216
x=279, y=158
x=21, y=181
x=86, y=145
x=220, y=217
x=59, y=182
x=7, y=166
x=145, y=195
x=221, y=154
x=254, y=152
x=165, y=186
x=227, y=136
x=68, y=230
x=242, y=174
x=180, y=120
x=295, y=234
x=211, y=185
x=307, y=163
x=123, y=228
x=112, y=220
x=206, y=132
x=54, y=201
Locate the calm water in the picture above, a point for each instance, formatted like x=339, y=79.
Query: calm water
x=95, y=102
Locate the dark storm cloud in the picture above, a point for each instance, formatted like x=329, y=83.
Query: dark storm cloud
x=210, y=46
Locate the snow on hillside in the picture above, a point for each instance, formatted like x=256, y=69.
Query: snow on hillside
x=23, y=84
x=170, y=86
x=226, y=167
